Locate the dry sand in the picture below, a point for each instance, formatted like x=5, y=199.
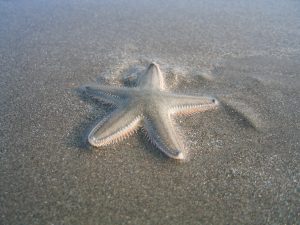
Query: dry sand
x=243, y=165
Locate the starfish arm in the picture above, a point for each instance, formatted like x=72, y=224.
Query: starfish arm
x=185, y=104
x=116, y=127
x=161, y=133
x=107, y=94
x=153, y=78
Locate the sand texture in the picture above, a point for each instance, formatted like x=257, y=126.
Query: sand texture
x=243, y=159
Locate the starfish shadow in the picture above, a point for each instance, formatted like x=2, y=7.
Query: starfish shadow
x=238, y=116
x=79, y=134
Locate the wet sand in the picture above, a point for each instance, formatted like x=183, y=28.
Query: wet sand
x=243, y=165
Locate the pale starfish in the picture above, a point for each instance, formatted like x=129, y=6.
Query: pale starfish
x=148, y=106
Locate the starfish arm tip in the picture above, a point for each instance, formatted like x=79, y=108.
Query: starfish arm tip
x=215, y=101
x=179, y=156
x=92, y=141
x=174, y=155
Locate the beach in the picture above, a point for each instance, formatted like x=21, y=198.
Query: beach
x=243, y=158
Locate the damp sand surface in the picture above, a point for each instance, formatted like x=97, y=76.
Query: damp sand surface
x=243, y=160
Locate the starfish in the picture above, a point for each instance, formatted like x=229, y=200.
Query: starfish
x=148, y=106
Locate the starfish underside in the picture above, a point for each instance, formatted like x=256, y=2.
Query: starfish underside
x=148, y=106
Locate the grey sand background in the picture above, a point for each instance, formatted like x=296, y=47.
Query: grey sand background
x=243, y=165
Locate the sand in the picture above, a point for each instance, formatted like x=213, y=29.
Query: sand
x=243, y=165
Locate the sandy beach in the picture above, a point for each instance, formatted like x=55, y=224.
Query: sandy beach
x=243, y=158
